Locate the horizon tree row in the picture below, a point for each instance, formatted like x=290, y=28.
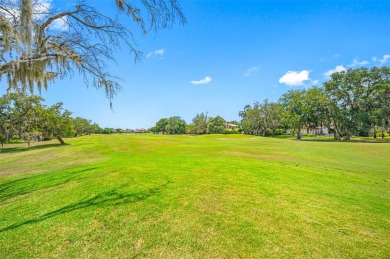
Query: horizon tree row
x=201, y=124
x=353, y=102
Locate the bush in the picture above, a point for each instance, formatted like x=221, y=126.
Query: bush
x=280, y=131
x=268, y=133
x=231, y=131
x=379, y=134
x=363, y=133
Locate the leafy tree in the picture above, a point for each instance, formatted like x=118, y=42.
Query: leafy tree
x=317, y=108
x=251, y=120
x=107, y=131
x=272, y=115
x=353, y=95
x=216, y=125
x=84, y=126
x=381, y=103
x=161, y=125
x=24, y=115
x=60, y=123
x=5, y=123
x=34, y=52
x=175, y=125
x=199, y=123
x=295, y=112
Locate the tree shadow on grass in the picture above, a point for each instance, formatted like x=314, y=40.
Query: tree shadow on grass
x=25, y=149
x=109, y=198
x=33, y=183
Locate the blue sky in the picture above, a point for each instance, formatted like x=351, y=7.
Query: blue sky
x=230, y=54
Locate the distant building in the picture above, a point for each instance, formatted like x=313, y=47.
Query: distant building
x=140, y=130
x=230, y=126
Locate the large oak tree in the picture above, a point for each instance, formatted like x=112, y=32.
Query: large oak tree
x=34, y=52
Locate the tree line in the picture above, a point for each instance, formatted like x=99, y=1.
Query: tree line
x=353, y=102
x=25, y=117
x=201, y=124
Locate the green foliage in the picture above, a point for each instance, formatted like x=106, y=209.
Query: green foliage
x=199, y=123
x=172, y=125
x=216, y=125
x=360, y=99
x=25, y=117
x=351, y=102
x=261, y=117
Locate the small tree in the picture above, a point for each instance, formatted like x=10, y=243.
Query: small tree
x=59, y=122
x=216, y=125
x=295, y=111
x=199, y=123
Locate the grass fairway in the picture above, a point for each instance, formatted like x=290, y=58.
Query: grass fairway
x=195, y=196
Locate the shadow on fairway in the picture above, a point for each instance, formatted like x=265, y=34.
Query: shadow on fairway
x=109, y=198
x=33, y=183
x=24, y=149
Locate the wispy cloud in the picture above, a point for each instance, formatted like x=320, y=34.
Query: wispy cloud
x=335, y=56
x=251, y=70
x=60, y=24
x=334, y=70
x=356, y=62
x=384, y=59
x=314, y=82
x=294, y=78
x=203, y=81
x=158, y=52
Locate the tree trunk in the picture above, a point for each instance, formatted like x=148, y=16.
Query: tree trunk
x=374, y=131
x=61, y=140
x=383, y=134
x=347, y=136
x=299, y=134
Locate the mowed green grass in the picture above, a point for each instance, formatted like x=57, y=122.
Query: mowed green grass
x=210, y=196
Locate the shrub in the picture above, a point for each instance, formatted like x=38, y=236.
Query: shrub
x=379, y=134
x=280, y=131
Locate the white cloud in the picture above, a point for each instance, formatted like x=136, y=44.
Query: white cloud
x=203, y=81
x=251, y=70
x=314, y=82
x=41, y=8
x=384, y=59
x=356, y=62
x=334, y=70
x=159, y=52
x=60, y=24
x=293, y=78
